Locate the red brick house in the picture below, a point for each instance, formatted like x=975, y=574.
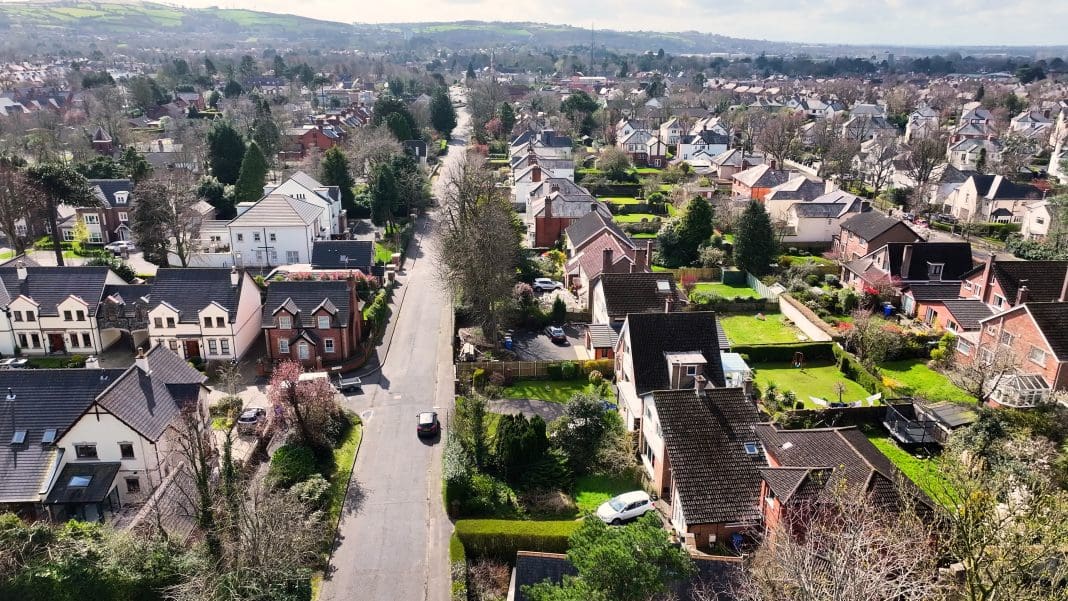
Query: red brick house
x=297, y=142
x=1033, y=337
x=920, y=273
x=318, y=323
x=868, y=231
x=757, y=182
x=555, y=204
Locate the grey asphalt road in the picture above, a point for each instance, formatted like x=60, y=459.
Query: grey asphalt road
x=393, y=536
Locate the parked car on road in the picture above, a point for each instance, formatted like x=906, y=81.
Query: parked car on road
x=428, y=424
x=546, y=285
x=13, y=363
x=556, y=334
x=118, y=246
x=626, y=506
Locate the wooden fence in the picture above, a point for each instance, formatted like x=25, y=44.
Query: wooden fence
x=511, y=369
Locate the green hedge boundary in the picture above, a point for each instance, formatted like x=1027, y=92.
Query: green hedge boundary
x=502, y=539
x=781, y=353
x=852, y=369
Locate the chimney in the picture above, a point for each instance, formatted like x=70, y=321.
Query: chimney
x=141, y=361
x=641, y=258
x=235, y=277
x=10, y=394
x=549, y=207
x=1021, y=294
x=92, y=363
x=906, y=260
x=606, y=262
x=988, y=275
x=1064, y=290
x=20, y=269
x=828, y=187
x=699, y=382
x=535, y=173
x=669, y=302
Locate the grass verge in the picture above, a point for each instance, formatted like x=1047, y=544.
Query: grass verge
x=546, y=390
x=591, y=491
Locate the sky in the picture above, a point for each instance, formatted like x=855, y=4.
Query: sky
x=898, y=22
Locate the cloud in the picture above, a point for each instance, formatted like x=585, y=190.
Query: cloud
x=902, y=22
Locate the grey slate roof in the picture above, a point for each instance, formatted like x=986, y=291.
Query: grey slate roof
x=935, y=291
x=343, y=254
x=149, y=403
x=653, y=334
x=101, y=476
x=587, y=226
x=602, y=335
x=278, y=210
x=956, y=258
x=968, y=312
x=1044, y=279
x=818, y=210
x=705, y=436
x=305, y=297
x=44, y=399
x=191, y=289
x=871, y=224
x=49, y=286
x=638, y=292
x=108, y=188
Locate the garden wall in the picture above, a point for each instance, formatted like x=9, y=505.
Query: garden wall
x=808, y=322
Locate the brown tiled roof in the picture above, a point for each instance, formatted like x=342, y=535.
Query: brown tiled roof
x=1052, y=320
x=1044, y=279
x=653, y=334
x=705, y=436
x=637, y=292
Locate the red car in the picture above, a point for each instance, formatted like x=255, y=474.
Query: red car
x=428, y=424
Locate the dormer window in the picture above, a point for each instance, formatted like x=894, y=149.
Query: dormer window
x=934, y=271
x=324, y=322
x=285, y=322
x=691, y=370
x=121, y=197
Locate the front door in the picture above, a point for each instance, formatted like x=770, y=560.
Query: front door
x=56, y=343
x=192, y=349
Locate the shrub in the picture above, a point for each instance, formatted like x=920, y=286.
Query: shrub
x=548, y=502
x=595, y=377
x=292, y=463
x=76, y=361
x=226, y=406
x=554, y=371
x=478, y=378
x=501, y=539
x=313, y=492
x=781, y=353
x=605, y=366
x=568, y=370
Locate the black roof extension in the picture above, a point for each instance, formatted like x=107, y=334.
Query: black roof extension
x=343, y=254
x=871, y=224
x=1051, y=319
x=653, y=334
x=638, y=292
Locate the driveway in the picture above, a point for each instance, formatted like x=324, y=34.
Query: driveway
x=536, y=346
x=528, y=407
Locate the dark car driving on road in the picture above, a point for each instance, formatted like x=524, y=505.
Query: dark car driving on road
x=428, y=424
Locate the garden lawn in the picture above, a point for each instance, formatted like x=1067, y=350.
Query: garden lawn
x=922, y=381
x=923, y=472
x=648, y=170
x=634, y=217
x=591, y=491
x=747, y=329
x=382, y=253
x=644, y=237
x=620, y=200
x=725, y=290
x=811, y=259
x=554, y=391
x=815, y=380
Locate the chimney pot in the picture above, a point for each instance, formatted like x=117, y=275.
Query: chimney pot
x=1022, y=293
x=606, y=260
x=10, y=394
x=235, y=277
x=141, y=361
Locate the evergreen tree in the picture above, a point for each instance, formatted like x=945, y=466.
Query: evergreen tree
x=265, y=131
x=399, y=127
x=754, y=240
x=697, y=222
x=442, y=113
x=470, y=75
x=384, y=195
x=226, y=149
x=55, y=184
x=253, y=176
x=135, y=165
x=335, y=172
x=507, y=117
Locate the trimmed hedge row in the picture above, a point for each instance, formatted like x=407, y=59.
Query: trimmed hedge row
x=781, y=353
x=852, y=369
x=502, y=539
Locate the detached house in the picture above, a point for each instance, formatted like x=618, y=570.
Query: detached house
x=205, y=313
x=664, y=351
x=317, y=323
x=304, y=187
x=820, y=220
x=83, y=443
x=556, y=204
x=107, y=221
x=868, y=231
x=710, y=142
x=991, y=198
x=52, y=310
x=756, y=182
x=276, y=230
x=671, y=130
x=297, y=142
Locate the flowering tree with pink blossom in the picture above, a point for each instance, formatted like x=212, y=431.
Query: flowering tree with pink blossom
x=310, y=404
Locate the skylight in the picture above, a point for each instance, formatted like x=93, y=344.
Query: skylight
x=49, y=436
x=18, y=437
x=663, y=286
x=752, y=448
x=79, y=481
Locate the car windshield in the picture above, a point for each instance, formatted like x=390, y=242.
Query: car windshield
x=616, y=504
x=426, y=419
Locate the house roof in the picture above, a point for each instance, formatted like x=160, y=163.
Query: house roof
x=638, y=292
x=1044, y=279
x=968, y=312
x=107, y=189
x=705, y=435
x=602, y=335
x=797, y=188
x=591, y=260
x=278, y=210
x=589, y=225
x=44, y=399
x=935, y=291
x=1051, y=319
x=653, y=334
x=149, y=403
x=305, y=297
x=50, y=286
x=734, y=157
x=818, y=210
x=568, y=206
x=762, y=176
x=996, y=187
x=956, y=258
x=343, y=254
x=856, y=467
x=97, y=477
x=189, y=290
x=871, y=224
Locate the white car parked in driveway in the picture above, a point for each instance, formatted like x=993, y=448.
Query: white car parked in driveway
x=546, y=285
x=626, y=506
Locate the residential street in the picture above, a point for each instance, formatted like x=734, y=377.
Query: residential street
x=393, y=536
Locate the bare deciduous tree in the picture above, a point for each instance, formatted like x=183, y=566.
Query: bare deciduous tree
x=879, y=162
x=922, y=155
x=167, y=216
x=983, y=372
x=779, y=136
x=312, y=404
x=369, y=146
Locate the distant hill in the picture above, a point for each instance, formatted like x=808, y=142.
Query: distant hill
x=36, y=23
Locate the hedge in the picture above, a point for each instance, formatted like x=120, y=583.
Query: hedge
x=502, y=539
x=456, y=549
x=781, y=353
x=852, y=369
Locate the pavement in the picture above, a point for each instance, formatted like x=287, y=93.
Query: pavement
x=393, y=536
